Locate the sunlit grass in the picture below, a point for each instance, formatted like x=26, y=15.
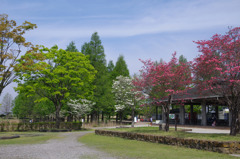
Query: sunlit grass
x=27, y=137
x=144, y=150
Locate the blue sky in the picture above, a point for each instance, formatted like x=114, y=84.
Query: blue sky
x=136, y=29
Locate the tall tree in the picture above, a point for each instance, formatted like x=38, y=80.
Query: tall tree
x=55, y=75
x=72, y=47
x=218, y=69
x=7, y=104
x=161, y=81
x=120, y=68
x=110, y=66
x=11, y=41
x=95, y=51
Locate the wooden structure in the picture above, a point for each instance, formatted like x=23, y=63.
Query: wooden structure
x=194, y=97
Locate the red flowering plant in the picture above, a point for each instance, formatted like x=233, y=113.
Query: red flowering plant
x=162, y=80
x=217, y=69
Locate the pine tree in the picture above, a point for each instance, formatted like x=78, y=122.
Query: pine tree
x=120, y=68
x=95, y=51
x=72, y=47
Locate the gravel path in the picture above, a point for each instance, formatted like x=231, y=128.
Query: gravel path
x=66, y=147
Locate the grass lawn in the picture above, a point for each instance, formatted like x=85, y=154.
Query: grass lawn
x=144, y=150
x=26, y=137
x=180, y=134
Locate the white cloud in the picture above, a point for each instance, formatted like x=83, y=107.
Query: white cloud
x=191, y=15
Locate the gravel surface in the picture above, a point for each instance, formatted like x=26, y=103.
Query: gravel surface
x=66, y=147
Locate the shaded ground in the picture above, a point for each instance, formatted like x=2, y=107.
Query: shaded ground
x=66, y=147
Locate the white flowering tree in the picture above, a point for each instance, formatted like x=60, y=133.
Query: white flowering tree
x=81, y=107
x=125, y=95
x=6, y=106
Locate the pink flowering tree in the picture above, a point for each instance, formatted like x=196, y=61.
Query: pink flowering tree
x=162, y=80
x=218, y=69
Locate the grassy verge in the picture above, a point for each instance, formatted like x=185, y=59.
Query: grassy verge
x=180, y=134
x=143, y=150
x=27, y=137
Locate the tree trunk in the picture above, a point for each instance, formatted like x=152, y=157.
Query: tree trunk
x=92, y=117
x=176, y=120
x=234, y=104
x=102, y=116
x=70, y=118
x=121, y=116
x=117, y=118
x=167, y=120
x=167, y=106
x=88, y=118
x=98, y=116
x=234, y=121
x=132, y=117
x=58, y=120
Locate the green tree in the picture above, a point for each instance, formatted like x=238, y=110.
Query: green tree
x=23, y=105
x=72, y=47
x=110, y=66
x=182, y=59
x=55, y=74
x=95, y=51
x=120, y=68
x=11, y=42
x=26, y=107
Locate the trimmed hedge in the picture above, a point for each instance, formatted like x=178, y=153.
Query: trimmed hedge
x=215, y=146
x=37, y=126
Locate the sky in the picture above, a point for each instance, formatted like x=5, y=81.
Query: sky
x=136, y=29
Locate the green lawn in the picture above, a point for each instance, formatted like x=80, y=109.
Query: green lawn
x=144, y=150
x=180, y=134
x=27, y=137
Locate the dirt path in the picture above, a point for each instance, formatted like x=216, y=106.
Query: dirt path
x=63, y=148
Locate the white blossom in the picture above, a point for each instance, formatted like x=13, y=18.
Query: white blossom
x=125, y=95
x=80, y=107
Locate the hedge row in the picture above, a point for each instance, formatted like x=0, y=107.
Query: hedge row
x=215, y=146
x=37, y=126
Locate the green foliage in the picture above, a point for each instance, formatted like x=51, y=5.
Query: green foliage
x=110, y=66
x=147, y=111
x=196, y=108
x=120, y=68
x=182, y=59
x=72, y=47
x=94, y=49
x=25, y=106
x=56, y=75
x=102, y=92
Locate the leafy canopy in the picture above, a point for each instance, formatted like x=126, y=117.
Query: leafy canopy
x=55, y=74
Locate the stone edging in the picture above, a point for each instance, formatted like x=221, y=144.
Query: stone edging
x=215, y=146
x=55, y=130
x=9, y=137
